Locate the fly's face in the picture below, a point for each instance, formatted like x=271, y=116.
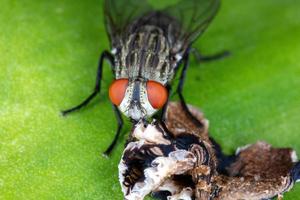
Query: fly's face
x=138, y=99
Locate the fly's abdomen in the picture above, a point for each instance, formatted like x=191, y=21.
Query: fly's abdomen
x=145, y=54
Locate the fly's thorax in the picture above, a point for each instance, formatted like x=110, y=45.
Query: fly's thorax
x=135, y=104
x=144, y=53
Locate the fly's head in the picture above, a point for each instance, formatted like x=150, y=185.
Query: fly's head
x=138, y=99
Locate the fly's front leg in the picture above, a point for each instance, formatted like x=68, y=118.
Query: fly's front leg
x=105, y=55
x=120, y=125
x=185, y=61
x=202, y=58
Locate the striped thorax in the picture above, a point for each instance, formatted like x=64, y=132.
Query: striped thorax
x=144, y=56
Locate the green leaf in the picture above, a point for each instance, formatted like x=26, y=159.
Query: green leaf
x=49, y=53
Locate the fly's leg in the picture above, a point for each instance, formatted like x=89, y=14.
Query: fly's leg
x=105, y=55
x=201, y=58
x=120, y=125
x=185, y=61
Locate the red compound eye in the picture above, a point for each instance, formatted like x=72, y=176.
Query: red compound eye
x=157, y=94
x=117, y=91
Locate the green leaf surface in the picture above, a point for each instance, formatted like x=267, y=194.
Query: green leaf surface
x=48, y=58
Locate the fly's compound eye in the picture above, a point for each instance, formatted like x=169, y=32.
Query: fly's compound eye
x=157, y=94
x=117, y=91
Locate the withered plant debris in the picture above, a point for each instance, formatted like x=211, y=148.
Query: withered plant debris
x=178, y=160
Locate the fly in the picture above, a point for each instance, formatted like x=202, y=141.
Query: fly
x=147, y=48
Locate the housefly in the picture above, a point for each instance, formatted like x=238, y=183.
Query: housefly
x=148, y=46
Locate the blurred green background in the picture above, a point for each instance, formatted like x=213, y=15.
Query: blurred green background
x=48, y=58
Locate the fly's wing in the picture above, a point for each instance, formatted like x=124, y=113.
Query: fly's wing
x=193, y=17
x=121, y=14
x=182, y=23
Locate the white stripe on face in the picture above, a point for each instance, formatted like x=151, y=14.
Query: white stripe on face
x=136, y=110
